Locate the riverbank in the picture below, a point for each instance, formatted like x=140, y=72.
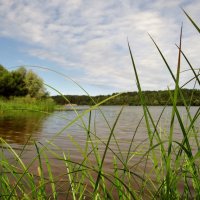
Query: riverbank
x=27, y=103
x=33, y=104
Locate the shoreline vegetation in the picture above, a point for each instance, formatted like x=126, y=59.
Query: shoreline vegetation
x=27, y=104
x=167, y=168
x=71, y=102
x=152, y=98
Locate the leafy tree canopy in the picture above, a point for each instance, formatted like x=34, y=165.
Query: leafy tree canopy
x=21, y=82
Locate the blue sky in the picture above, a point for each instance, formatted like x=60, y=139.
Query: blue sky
x=87, y=41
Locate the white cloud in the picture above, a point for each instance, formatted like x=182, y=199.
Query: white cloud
x=91, y=35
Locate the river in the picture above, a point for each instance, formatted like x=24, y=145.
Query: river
x=63, y=131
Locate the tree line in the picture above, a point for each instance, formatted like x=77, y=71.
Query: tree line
x=191, y=96
x=21, y=82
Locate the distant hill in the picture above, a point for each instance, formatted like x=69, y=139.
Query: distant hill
x=192, y=97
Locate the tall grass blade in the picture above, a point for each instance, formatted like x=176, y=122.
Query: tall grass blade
x=70, y=178
x=140, y=93
x=196, y=76
x=119, y=186
x=51, y=177
x=105, y=151
x=41, y=193
x=192, y=21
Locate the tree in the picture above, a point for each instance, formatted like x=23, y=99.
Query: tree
x=6, y=82
x=34, y=85
x=19, y=80
x=2, y=69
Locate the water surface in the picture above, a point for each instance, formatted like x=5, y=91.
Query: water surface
x=56, y=132
x=19, y=128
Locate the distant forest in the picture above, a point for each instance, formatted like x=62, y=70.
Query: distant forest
x=192, y=97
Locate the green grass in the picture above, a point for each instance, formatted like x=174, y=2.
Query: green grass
x=26, y=103
x=166, y=169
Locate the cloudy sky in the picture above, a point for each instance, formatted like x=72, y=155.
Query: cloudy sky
x=87, y=41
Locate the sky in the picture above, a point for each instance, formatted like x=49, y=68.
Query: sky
x=79, y=46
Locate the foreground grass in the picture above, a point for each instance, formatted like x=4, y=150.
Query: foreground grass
x=166, y=169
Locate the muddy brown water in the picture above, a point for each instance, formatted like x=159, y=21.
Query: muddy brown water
x=25, y=128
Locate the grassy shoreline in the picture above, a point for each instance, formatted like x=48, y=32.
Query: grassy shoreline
x=27, y=103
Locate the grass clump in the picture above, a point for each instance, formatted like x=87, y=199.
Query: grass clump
x=167, y=168
x=26, y=103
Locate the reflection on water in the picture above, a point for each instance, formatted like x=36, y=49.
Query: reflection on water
x=18, y=127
